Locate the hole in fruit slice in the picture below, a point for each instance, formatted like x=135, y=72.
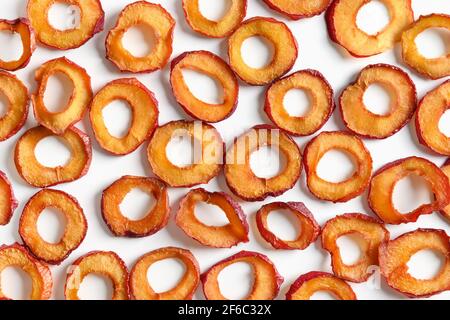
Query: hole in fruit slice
x=257, y=52
x=214, y=10
x=139, y=40
x=373, y=17
x=13, y=42
x=16, y=284
x=52, y=152
x=117, y=116
x=58, y=92
x=164, y=275
x=137, y=204
x=433, y=43
x=181, y=150
x=444, y=123
x=297, y=102
x=96, y=287
x=350, y=248
x=322, y=295
x=4, y=104
x=377, y=99
x=284, y=224
x=267, y=162
x=203, y=87
x=410, y=193
x=210, y=215
x=425, y=264
x=64, y=16
x=236, y=280
x=336, y=166
x=51, y=225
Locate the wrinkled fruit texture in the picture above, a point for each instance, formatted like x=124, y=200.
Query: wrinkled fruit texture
x=308, y=284
x=231, y=234
x=74, y=232
x=298, y=9
x=23, y=28
x=446, y=169
x=185, y=288
x=395, y=254
x=371, y=233
x=267, y=280
x=384, y=180
x=8, y=202
x=363, y=122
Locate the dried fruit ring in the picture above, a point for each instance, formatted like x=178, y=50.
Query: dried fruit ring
x=432, y=68
x=92, y=18
x=207, y=163
x=23, y=28
x=385, y=179
x=321, y=97
x=41, y=278
x=148, y=14
x=231, y=234
x=154, y=220
x=105, y=263
x=215, y=29
x=342, y=27
x=309, y=228
x=17, y=110
x=446, y=169
x=298, y=9
x=41, y=176
x=371, y=233
x=363, y=122
x=278, y=34
x=8, y=202
x=308, y=284
x=266, y=284
x=59, y=122
x=340, y=191
x=429, y=113
x=213, y=66
x=144, y=108
x=184, y=290
x=395, y=254
x=74, y=232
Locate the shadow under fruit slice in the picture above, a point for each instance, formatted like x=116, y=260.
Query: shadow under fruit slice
x=274, y=31
x=41, y=176
x=347, y=189
x=395, y=254
x=17, y=109
x=214, y=29
x=23, y=28
x=74, y=232
x=371, y=233
x=431, y=68
x=59, y=122
x=267, y=280
x=298, y=9
x=308, y=284
x=155, y=219
x=429, y=113
x=144, y=108
x=105, y=263
x=321, y=102
x=184, y=290
x=446, y=169
x=206, y=163
x=309, y=228
x=235, y=232
x=213, y=66
x=92, y=18
x=8, y=202
x=343, y=28
x=16, y=255
x=148, y=14
x=384, y=181
x=365, y=123
x=239, y=175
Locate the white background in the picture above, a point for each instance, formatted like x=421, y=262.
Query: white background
x=315, y=51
